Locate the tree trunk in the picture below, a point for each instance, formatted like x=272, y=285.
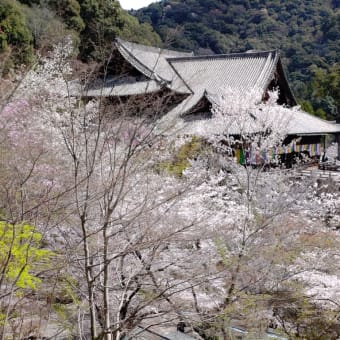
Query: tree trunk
x=106, y=270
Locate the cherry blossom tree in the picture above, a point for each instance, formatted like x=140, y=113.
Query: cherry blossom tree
x=257, y=225
x=117, y=213
x=30, y=192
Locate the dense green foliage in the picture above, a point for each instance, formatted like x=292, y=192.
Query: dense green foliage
x=104, y=20
x=307, y=32
x=102, y=23
x=324, y=91
x=141, y=33
x=69, y=10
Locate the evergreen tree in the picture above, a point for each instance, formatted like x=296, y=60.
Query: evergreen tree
x=14, y=33
x=102, y=22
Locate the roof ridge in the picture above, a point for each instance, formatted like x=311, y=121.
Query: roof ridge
x=153, y=48
x=274, y=52
x=272, y=71
x=267, y=66
x=180, y=77
x=280, y=68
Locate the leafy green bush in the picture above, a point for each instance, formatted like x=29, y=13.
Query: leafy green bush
x=181, y=159
x=20, y=254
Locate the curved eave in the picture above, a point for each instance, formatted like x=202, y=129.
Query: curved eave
x=130, y=58
x=189, y=104
x=210, y=98
x=271, y=70
x=175, y=84
x=173, y=117
x=286, y=84
x=319, y=132
x=132, y=89
x=304, y=123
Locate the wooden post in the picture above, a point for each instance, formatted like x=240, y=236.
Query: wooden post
x=337, y=139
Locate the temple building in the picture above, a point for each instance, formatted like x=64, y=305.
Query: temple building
x=192, y=82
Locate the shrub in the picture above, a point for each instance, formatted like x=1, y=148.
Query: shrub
x=181, y=160
x=20, y=254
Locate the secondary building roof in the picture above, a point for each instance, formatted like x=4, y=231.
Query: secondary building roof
x=295, y=123
x=112, y=88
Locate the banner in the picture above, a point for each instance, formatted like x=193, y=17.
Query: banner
x=249, y=156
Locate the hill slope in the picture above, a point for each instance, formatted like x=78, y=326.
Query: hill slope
x=28, y=25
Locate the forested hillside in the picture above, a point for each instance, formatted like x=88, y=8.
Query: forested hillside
x=28, y=25
x=307, y=32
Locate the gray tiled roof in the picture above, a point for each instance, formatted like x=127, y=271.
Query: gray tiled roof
x=199, y=75
x=205, y=76
x=152, y=62
x=185, y=73
x=209, y=75
x=173, y=119
x=129, y=89
x=304, y=123
x=213, y=73
x=299, y=123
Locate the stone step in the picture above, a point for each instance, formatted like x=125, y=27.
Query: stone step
x=324, y=174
